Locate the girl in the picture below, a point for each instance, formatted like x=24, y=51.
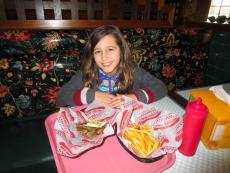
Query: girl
x=108, y=73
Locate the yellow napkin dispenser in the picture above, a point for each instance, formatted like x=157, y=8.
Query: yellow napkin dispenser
x=216, y=130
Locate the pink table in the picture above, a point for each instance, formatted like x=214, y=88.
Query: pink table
x=110, y=157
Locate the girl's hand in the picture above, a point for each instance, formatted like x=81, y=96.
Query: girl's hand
x=116, y=101
x=103, y=97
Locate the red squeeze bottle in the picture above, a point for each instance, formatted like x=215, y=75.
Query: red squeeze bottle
x=194, y=118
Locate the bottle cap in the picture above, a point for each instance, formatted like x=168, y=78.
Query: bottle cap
x=198, y=105
x=197, y=108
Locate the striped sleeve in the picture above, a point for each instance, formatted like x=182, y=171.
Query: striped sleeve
x=80, y=96
x=144, y=95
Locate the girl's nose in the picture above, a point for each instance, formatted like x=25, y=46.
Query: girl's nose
x=104, y=55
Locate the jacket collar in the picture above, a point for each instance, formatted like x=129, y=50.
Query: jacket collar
x=103, y=76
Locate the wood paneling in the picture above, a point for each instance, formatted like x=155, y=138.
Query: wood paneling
x=211, y=26
x=73, y=24
x=88, y=9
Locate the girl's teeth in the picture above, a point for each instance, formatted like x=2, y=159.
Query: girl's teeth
x=106, y=64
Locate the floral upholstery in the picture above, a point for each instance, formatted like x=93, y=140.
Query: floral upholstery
x=35, y=64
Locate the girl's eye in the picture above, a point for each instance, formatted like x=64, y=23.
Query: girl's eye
x=96, y=52
x=111, y=49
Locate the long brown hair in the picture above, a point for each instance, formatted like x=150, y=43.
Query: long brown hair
x=124, y=70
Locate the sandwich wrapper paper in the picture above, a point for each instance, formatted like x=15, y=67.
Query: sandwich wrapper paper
x=166, y=126
x=69, y=141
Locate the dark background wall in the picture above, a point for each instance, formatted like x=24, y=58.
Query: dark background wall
x=218, y=69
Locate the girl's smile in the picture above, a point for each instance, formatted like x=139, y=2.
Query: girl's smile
x=107, y=54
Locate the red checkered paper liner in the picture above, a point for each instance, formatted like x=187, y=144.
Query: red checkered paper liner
x=166, y=126
x=69, y=141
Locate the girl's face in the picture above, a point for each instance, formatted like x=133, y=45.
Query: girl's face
x=107, y=54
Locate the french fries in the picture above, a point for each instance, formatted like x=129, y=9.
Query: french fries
x=141, y=138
